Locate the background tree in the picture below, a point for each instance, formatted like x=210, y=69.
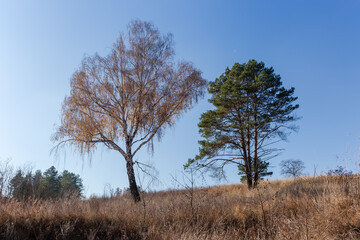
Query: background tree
x=252, y=111
x=71, y=185
x=126, y=98
x=18, y=186
x=50, y=185
x=36, y=184
x=22, y=186
x=6, y=173
x=293, y=168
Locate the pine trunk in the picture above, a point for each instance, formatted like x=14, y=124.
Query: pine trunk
x=256, y=159
x=248, y=148
x=249, y=181
x=249, y=178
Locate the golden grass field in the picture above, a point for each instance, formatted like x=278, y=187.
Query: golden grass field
x=325, y=207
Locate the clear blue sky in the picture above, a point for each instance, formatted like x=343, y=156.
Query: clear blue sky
x=313, y=45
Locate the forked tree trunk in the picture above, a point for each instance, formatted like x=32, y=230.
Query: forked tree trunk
x=247, y=165
x=249, y=179
x=132, y=181
x=249, y=182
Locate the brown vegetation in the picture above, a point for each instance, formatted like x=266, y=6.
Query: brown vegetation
x=326, y=207
x=127, y=98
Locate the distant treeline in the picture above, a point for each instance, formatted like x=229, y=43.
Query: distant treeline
x=50, y=184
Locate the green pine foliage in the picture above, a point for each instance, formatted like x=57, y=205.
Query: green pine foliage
x=263, y=169
x=49, y=185
x=252, y=111
x=71, y=185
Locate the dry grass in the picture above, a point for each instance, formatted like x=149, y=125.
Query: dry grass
x=325, y=207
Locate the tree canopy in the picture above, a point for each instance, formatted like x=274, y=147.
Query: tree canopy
x=252, y=111
x=291, y=167
x=126, y=98
x=47, y=185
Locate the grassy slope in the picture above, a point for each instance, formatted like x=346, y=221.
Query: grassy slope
x=307, y=208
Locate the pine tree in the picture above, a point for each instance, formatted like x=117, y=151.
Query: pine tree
x=71, y=185
x=252, y=110
x=50, y=184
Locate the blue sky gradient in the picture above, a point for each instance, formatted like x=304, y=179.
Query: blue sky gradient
x=313, y=45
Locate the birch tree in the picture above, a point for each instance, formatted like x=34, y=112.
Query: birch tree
x=125, y=99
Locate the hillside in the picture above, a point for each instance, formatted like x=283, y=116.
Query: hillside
x=325, y=207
